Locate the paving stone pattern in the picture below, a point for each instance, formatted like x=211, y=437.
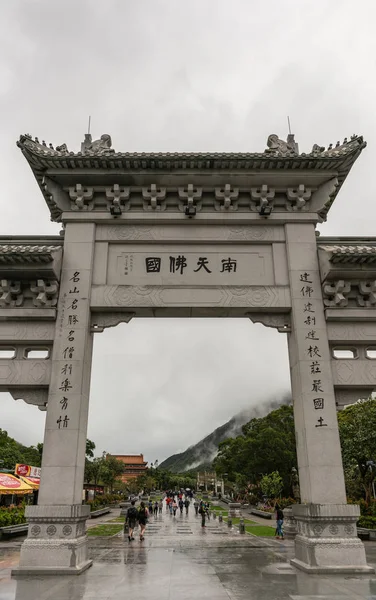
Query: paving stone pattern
x=178, y=560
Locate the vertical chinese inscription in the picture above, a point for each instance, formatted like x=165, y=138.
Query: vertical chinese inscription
x=313, y=349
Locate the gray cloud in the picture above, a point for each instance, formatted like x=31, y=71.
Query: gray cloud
x=166, y=75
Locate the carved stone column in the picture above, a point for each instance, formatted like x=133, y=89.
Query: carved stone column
x=326, y=540
x=57, y=540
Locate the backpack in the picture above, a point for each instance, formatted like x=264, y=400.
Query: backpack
x=132, y=513
x=142, y=512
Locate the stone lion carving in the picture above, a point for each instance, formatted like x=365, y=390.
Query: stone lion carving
x=99, y=146
x=279, y=147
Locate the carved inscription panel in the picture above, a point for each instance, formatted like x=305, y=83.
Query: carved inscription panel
x=194, y=265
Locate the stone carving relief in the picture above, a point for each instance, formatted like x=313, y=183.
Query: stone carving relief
x=282, y=322
x=190, y=197
x=262, y=196
x=278, y=147
x=101, y=146
x=367, y=293
x=51, y=530
x=154, y=198
x=334, y=529
x=100, y=321
x=161, y=232
x=298, y=197
x=67, y=530
x=36, y=396
x=142, y=296
x=226, y=198
x=118, y=196
x=336, y=294
x=81, y=197
x=10, y=293
x=35, y=530
x=45, y=293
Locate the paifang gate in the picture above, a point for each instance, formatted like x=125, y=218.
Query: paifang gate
x=189, y=235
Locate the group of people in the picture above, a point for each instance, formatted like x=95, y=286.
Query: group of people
x=174, y=501
x=178, y=501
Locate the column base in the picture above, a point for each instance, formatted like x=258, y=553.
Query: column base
x=56, y=542
x=327, y=539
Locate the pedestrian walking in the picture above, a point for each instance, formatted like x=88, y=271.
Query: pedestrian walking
x=142, y=518
x=181, y=505
x=186, y=504
x=150, y=507
x=160, y=506
x=156, y=508
x=196, y=505
x=174, y=507
x=280, y=516
x=202, y=512
x=131, y=520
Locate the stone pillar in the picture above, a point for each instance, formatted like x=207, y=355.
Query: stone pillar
x=57, y=541
x=326, y=540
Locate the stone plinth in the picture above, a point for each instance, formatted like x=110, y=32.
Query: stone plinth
x=234, y=509
x=289, y=523
x=327, y=540
x=56, y=542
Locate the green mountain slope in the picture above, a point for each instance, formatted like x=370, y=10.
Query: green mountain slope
x=201, y=455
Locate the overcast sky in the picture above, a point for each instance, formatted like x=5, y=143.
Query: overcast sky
x=168, y=75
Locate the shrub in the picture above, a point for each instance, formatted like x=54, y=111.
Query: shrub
x=367, y=522
x=12, y=516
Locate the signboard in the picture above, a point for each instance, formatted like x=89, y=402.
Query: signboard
x=27, y=471
x=10, y=482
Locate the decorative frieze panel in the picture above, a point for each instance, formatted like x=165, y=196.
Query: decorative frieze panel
x=81, y=197
x=154, y=198
x=226, y=198
x=262, y=197
x=190, y=197
x=10, y=293
x=118, y=196
x=298, y=197
x=45, y=293
x=353, y=293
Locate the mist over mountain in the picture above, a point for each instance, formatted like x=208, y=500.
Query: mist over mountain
x=200, y=455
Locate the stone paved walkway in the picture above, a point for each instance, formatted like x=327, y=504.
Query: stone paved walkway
x=178, y=561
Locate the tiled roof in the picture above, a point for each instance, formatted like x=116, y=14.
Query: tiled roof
x=13, y=254
x=351, y=254
x=42, y=158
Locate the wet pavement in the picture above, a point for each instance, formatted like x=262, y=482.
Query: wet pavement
x=179, y=560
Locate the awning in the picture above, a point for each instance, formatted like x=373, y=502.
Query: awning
x=9, y=484
x=33, y=481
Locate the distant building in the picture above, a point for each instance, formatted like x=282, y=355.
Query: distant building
x=207, y=480
x=134, y=465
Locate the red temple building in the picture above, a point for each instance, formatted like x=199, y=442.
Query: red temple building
x=134, y=465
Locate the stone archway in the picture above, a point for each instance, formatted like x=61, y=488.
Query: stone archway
x=190, y=235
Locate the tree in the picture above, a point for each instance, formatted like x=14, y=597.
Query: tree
x=357, y=427
x=267, y=444
x=272, y=485
x=110, y=470
x=12, y=452
x=90, y=447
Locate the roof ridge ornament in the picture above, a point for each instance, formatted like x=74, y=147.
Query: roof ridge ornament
x=278, y=147
x=101, y=146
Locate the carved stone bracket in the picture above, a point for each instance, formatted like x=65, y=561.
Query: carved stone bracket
x=263, y=197
x=36, y=396
x=336, y=294
x=10, y=293
x=190, y=196
x=45, y=293
x=100, y=321
x=81, y=197
x=298, y=197
x=154, y=198
x=226, y=198
x=282, y=322
x=118, y=196
x=367, y=296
